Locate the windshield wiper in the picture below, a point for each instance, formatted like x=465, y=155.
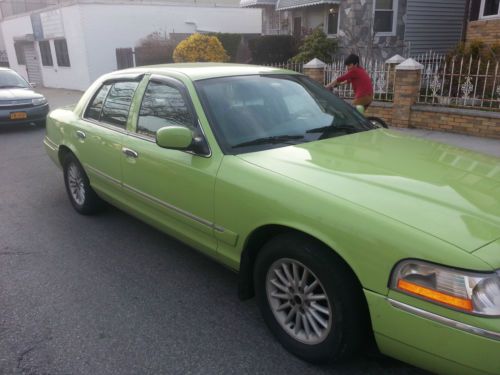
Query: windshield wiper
x=323, y=129
x=271, y=140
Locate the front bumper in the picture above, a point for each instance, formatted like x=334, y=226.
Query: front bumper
x=34, y=114
x=432, y=341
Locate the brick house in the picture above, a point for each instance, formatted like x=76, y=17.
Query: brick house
x=484, y=21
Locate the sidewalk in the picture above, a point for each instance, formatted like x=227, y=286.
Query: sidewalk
x=485, y=145
x=62, y=97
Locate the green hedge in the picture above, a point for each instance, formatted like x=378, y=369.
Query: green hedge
x=270, y=49
x=230, y=42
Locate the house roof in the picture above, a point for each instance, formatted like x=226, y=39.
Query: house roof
x=251, y=3
x=290, y=4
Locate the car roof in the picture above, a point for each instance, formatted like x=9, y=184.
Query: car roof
x=199, y=71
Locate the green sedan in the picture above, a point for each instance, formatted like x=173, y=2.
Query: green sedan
x=344, y=233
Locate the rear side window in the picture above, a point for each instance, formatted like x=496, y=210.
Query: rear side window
x=94, y=109
x=112, y=103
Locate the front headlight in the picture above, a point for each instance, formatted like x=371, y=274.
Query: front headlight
x=39, y=101
x=471, y=292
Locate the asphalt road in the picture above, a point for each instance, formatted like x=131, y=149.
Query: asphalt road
x=110, y=295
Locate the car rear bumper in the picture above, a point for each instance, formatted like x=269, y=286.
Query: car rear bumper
x=434, y=342
x=33, y=114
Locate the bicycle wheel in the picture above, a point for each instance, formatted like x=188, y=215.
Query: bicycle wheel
x=376, y=121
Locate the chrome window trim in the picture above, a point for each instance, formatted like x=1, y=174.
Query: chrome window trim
x=445, y=321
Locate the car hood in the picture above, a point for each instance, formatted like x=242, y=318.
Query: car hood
x=445, y=191
x=18, y=93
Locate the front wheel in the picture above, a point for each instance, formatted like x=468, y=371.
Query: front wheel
x=309, y=299
x=377, y=122
x=81, y=195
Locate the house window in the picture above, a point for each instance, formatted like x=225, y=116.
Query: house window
x=385, y=16
x=332, y=22
x=490, y=8
x=21, y=60
x=62, y=52
x=45, y=52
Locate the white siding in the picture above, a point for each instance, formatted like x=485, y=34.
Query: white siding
x=107, y=27
x=11, y=28
x=76, y=76
x=434, y=25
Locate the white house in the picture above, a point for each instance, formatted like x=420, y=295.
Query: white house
x=70, y=45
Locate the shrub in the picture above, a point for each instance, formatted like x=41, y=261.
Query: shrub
x=230, y=42
x=270, y=49
x=316, y=45
x=200, y=48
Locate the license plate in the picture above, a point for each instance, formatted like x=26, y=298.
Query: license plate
x=18, y=115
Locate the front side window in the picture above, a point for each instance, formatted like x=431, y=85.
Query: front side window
x=490, y=8
x=45, y=52
x=333, y=20
x=384, y=16
x=253, y=113
x=62, y=52
x=163, y=105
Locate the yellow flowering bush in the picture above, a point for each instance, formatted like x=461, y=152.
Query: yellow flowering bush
x=200, y=47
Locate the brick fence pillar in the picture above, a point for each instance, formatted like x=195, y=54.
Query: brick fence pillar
x=315, y=69
x=406, y=91
x=391, y=69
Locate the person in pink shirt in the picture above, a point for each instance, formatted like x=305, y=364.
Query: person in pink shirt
x=360, y=80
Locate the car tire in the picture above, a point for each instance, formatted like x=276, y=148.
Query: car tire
x=335, y=305
x=81, y=195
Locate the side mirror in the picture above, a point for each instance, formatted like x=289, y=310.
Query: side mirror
x=33, y=84
x=175, y=137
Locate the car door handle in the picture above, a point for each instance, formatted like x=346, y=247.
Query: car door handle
x=80, y=134
x=130, y=153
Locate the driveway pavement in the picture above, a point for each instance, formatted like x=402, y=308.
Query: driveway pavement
x=479, y=144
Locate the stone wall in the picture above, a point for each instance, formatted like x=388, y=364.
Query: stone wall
x=356, y=31
x=487, y=31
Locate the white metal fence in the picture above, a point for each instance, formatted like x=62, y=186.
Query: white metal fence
x=446, y=81
x=381, y=74
x=461, y=82
x=295, y=66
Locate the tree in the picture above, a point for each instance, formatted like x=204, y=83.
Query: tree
x=316, y=45
x=200, y=47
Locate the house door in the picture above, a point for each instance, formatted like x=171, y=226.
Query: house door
x=297, y=27
x=32, y=64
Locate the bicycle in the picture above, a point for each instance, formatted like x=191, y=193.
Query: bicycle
x=376, y=121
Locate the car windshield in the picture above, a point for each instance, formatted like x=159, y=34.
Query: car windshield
x=9, y=79
x=251, y=113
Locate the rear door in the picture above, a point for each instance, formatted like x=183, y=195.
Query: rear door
x=99, y=133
